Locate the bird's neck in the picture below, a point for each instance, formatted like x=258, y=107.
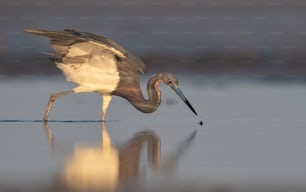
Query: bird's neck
x=152, y=103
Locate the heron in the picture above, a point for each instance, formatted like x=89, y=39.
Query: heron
x=98, y=64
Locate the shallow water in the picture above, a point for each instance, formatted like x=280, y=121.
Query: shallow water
x=253, y=138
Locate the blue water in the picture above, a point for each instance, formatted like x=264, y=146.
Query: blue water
x=253, y=136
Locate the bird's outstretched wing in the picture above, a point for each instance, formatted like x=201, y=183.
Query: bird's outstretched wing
x=73, y=46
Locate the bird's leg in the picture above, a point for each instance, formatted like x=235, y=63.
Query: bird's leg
x=52, y=99
x=106, y=100
x=106, y=140
x=49, y=135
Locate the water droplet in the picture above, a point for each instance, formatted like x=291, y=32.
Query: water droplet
x=201, y=123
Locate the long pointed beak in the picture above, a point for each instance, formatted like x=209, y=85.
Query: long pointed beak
x=182, y=96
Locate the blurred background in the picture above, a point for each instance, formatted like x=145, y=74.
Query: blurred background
x=252, y=38
x=227, y=55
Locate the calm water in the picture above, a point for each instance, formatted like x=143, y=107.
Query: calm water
x=253, y=138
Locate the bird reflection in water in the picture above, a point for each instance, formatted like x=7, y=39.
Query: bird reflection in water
x=108, y=168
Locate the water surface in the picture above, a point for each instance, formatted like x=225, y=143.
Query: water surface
x=253, y=138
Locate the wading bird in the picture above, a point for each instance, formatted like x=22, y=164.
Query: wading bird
x=98, y=64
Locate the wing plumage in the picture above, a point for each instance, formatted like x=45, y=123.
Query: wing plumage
x=75, y=47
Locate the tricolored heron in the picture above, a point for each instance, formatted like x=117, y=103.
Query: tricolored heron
x=98, y=64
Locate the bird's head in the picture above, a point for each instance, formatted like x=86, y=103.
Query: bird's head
x=171, y=81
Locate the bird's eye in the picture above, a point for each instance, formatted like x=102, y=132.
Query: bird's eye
x=170, y=82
